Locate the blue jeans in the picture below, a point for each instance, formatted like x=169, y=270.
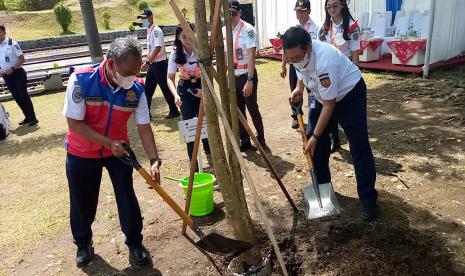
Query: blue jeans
x=84, y=177
x=351, y=114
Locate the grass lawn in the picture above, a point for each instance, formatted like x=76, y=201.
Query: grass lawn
x=41, y=24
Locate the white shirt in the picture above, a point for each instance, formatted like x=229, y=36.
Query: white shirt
x=247, y=39
x=9, y=54
x=156, y=38
x=76, y=109
x=311, y=27
x=190, y=65
x=335, y=37
x=329, y=74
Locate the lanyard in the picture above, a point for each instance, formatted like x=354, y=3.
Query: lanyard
x=331, y=36
x=236, y=41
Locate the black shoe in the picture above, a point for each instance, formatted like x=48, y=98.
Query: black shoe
x=369, y=213
x=245, y=146
x=84, y=255
x=295, y=124
x=173, y=115
x=140, y=254
x=335, y=144
x=23, y=122
x=33, y=122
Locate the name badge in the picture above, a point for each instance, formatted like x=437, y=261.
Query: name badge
x=311, y=98
x=7, y=59
x=239, y=54
x=94, y=99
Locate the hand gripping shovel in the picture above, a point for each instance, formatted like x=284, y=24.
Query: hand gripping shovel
x=319, y=199
x=213, y=243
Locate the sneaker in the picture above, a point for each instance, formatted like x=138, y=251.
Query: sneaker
x=23, y=122
x=335, y=144
x=33, y=122
x=139, y=254
x=245, y=146
x=295, y=124
x=84, y=255
x=369, y=213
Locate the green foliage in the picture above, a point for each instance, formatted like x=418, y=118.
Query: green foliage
x=2, y=5
x=143, y=5
x=36, y=5
x=132, y=2
x=55, y=65
x=106, y=20
x=184, y=13
x=63, y=16
x=132, y=28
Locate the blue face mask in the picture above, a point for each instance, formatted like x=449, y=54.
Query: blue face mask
x=145, y=23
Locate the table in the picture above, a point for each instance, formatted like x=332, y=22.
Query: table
x=408, y=51
x=370, y=49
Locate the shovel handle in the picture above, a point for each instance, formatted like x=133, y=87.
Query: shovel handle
x=305, y=140
x=166, y=197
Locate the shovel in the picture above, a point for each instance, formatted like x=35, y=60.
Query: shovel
x=213, y=243
x=319, y=199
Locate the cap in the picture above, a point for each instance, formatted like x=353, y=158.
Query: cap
x=302, y=5
x=147, y=12
x=234, y=5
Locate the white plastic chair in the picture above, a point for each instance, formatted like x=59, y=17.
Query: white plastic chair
x=398, y=14
x=402, y=25
x=388, y=18
x=416, y=23
x=378, y=24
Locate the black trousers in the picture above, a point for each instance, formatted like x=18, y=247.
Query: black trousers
x=332, y=124
x=157, y=75
x=190, y=109
x=84, y=177
x=17, y=84
x=251, y=104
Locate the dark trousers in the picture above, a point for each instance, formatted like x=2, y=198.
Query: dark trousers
x=351, y=114
x=297, y=107
x=190, y=109
x=17, y=84
x=251, y=104
x=84, y=177
x=157, y=75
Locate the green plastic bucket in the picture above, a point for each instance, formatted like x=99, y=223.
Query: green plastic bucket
x=202, y=194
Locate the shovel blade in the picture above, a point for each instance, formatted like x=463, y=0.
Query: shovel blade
x=329, y=204
x=220, y=245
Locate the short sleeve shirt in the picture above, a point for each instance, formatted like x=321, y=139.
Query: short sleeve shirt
x=156, y=38
x=246, y=38
x=312, y=28
x=329, y=74
x=190, y=65
x=75, y=107
x=9, y=54
x=335, y=37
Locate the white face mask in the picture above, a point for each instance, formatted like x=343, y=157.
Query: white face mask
x=303, y=63
x=124, y=82
x=145, y=23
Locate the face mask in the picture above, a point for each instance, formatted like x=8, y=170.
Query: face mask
x=124, y=82
x=145, y=23
x=303, y=63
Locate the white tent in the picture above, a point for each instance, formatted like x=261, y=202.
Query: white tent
x=446, y=31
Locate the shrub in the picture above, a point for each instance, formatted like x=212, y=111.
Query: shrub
x=106, y=20
x=132, y=2
x=2, y=5
x=143, y=5
x=63, y=16
x=132, y=28
x=36, y=5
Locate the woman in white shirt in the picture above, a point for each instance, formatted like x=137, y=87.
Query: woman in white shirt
x=188, y=92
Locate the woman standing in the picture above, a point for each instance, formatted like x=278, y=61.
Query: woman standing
x=188, y=93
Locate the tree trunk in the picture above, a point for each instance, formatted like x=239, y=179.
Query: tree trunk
x=92, y=34
x=238, y=216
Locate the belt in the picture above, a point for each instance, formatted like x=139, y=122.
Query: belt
x=240, y=66
x=188, y=81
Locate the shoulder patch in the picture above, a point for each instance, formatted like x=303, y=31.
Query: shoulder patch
x=156, y=33
x=83, y=70
x=251, y=33
x=325, y=80
x=355, y=36
x=77, y=95
x=354, y=27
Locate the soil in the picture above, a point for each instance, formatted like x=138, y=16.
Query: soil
x=418, y=143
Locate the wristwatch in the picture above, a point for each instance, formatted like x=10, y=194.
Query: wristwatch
x=317, y=137
x=155, y=159
x=249, y=78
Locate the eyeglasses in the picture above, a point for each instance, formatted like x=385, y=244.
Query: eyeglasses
x=333, y=6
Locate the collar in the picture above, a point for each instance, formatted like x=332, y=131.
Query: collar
x=104, y=78
x=187, y=54
x=312, y=65
x=334, y=23
x=238, y=24
x=309, y=21
x=5, y=41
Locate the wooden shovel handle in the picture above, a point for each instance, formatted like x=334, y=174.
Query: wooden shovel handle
x=305, y=140
x=166, y=197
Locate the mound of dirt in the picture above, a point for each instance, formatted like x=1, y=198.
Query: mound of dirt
x=380, y=249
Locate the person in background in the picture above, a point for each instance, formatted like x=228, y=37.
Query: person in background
x=15, y=77
x=340, y=93
x=99, y=101
x=189, y=91
x=245, y=45
x=342, y=31
x=156, y=64
x=302, y=12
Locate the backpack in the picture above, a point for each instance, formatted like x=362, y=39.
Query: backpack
x=5, y=125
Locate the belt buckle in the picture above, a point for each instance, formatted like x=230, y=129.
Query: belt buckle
x=193, y=80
